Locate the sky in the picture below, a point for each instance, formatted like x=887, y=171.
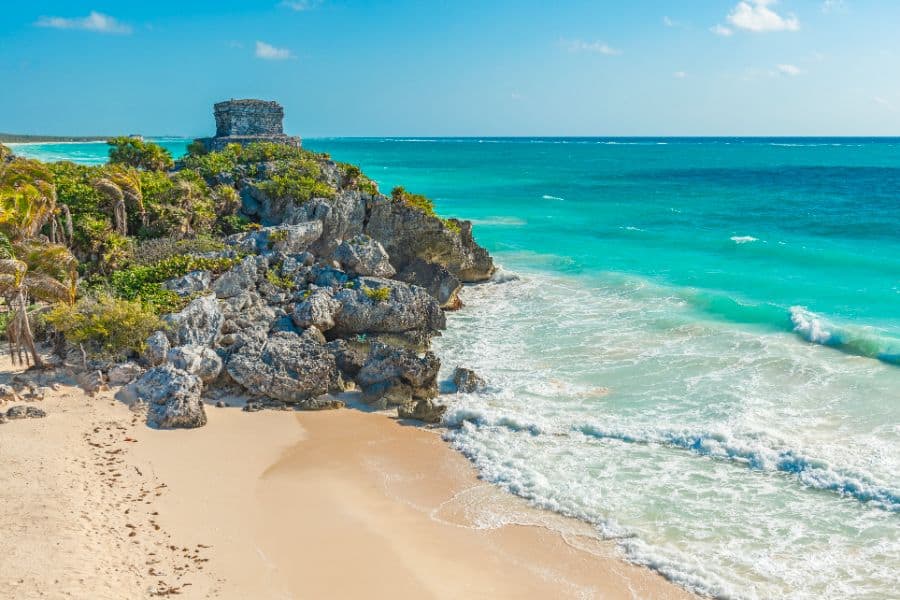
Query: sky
x=455, y=68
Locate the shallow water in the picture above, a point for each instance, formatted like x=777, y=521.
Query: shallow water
x=700, y=352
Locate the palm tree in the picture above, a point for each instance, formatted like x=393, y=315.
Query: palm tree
x=33, y=269
x=27, y=198
x=119, y=185
x=29, y=266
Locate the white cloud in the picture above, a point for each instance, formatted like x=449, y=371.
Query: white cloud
x=756, y=16
x=882, y=101
x=791, y=70
x=721, y=30
x=668, y=22
x=594, y=47
x=270, y=52
x=95, y=21
x=301, y=5
x=679, y=74
x=829, y=6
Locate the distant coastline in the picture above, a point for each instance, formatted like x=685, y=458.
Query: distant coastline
x=15, y=138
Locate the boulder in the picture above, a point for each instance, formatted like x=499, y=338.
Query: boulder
x=364, y=256
x=155, y=349
x=342, y=217
x=349, y=356
x=124, y=373
x=241, y=278
x=424, y=410
x=289, y=368
x=328, y=276
x=405, y=308
x=173, y=398
x=317, y=310
x=8, y=394
x=396, y=376
x=408, y=233
x=199, y=323
x=92, y=381
x=285, y=238
x=467, y=381
x=200, y=361
x=439, y=281
x=190, y=284
x=25, y=412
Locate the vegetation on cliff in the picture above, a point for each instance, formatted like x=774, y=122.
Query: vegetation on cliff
x=100, y=242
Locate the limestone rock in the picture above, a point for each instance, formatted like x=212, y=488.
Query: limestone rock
x=199, y=323
x=467, y=381
x=289, y=368
x=124, y=373
x=393, y=375
x=424, y=410
x=200, y=361
x=92, y=381
x=189, y=284
x=25, y=412
x=155, y=349
x=8, y=394
x=364, y=256
x=349, y=356
x=317, y=310
x=408, y=233
x=241, y=278
x=342, y=217
x=286, y=238
x=439, y=281
x=173, y=398
x=406, y=308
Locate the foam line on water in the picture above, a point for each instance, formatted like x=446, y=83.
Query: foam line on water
x=758, y=455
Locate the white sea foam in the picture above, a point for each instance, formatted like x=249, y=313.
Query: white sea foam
x=712, y=452
x=743, y=239
x=549, y=197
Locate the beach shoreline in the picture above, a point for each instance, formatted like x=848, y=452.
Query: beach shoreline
x=276, y=504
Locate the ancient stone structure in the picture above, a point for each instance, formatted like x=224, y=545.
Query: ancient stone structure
x=246, y=121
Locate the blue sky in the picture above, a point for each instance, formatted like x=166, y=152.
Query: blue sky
x=347, y=67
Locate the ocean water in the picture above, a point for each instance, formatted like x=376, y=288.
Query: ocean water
x=693, y=344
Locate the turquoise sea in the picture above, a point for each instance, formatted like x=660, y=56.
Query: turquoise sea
x=692, y=343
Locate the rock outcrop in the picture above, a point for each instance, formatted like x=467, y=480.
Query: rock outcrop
x=289, y=368
x=361, y=255
x=407, y=234
x=396, y=376
x=200, y=361
x=199, y=323
x=404, y=308
x=172, y=397
x=467, y=381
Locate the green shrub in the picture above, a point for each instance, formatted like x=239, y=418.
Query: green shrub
x=377, y=294
x=107, y=326
x=143, y=281
x=416, y=201
x=280, y=281
x=139, y=154
x=452, y=225
x=197, y=148
x=230, y=224
x=296, y=188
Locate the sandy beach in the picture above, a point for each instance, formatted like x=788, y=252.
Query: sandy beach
x=334, y=504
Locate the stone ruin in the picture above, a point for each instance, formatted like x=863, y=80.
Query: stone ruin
x=247, y=121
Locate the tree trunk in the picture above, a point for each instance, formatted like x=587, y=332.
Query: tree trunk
x=26, y=337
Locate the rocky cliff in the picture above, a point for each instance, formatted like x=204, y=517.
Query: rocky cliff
x=340, y=287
